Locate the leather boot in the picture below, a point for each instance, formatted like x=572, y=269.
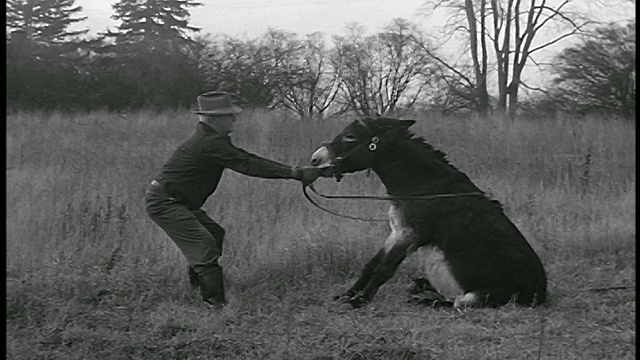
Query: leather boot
x=193, y=277
x=212, y=287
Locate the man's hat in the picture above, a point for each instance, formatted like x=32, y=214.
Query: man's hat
x=216, y=103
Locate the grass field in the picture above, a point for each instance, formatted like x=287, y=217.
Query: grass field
x=89, y=276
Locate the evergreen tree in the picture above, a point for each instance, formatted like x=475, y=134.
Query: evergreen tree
x=151, y=48
x=152, y=22
x=43, y=61
x=44, y=21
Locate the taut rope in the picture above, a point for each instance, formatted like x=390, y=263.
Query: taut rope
x=375, y=197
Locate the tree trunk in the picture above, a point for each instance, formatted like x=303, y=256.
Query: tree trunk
x=483, y=97
x=502, y=86
x=481, y=76
x=513, y=98
x=502, y=22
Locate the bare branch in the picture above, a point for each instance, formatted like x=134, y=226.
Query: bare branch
x=534, y=88
x=441, y=61
x=538, y=63
x=554, y=13
x=563, y=36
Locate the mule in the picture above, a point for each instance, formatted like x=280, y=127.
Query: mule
x=472, y=254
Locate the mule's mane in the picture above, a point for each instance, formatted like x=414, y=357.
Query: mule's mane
x=415, y=149
x=417, y=145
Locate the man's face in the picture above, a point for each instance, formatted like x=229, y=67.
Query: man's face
x=222, y=124
x=225, y=123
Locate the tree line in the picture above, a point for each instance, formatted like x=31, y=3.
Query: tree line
x=155, y=59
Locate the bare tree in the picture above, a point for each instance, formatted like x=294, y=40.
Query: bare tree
x=526, y=28
x=382, y=72
x=513, y=27
x=454, y=91
x=241, y=67
x=408, y=67
x=462, y=88
x=351, y=61
x=307, y=85
x=276, y=70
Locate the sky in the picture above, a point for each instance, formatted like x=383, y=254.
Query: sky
x=252, y=18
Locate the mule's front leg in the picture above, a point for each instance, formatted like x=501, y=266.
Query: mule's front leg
x=397, y=247
x=383, y=272
x=363, y=280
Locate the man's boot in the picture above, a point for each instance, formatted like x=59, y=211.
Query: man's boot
x=212, y=287
x=193, y=277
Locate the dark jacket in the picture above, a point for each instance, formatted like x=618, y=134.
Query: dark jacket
x=193, y=171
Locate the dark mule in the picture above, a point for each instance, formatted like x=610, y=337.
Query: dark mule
x=472, y=254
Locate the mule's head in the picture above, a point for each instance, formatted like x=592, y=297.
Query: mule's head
x=356, y=147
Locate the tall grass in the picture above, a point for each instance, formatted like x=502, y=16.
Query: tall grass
x=75, y=185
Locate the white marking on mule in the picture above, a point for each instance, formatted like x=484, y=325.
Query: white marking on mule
x=435, y=266
x=469, y=299
x=438, y=272
x=400, y=232
x=322, y=156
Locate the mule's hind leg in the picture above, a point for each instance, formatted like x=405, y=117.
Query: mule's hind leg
x=421, y=285
x=483, y=298
x=493, y=297
x=471, y=299
x=423, y=293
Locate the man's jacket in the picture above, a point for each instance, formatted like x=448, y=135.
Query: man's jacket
x=193, y=172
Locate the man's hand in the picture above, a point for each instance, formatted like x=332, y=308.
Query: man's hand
x=307, y=174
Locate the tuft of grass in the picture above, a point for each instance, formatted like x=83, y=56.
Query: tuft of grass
x=89, y=276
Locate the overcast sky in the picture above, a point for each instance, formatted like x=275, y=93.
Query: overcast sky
x=253, y=17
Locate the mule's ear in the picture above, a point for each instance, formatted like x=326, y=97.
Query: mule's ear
x=405, y=124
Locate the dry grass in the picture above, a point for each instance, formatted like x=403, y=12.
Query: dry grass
x=89, y=276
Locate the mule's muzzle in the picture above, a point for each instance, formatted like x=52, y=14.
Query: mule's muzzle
x=323, y=159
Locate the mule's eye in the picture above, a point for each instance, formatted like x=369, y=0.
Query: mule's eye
x=349, y=138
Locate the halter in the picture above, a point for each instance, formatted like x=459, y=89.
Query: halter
x=336, y=160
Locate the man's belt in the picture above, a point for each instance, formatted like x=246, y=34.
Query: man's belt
x=158, y=184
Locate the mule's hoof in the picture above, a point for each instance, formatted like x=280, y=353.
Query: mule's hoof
x=434, y=303
x=343, y=297
x=352, y=303
x=429, y=298
x=357, y=301
x=468, y=300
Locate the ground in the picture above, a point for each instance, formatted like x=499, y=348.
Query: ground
x=89, y=276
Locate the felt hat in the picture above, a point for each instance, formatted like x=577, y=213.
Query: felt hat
x=214, y=103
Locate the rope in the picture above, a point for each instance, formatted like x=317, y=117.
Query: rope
x=394, y=197
x=306, y=194
x=375, y=197
x=609, y=288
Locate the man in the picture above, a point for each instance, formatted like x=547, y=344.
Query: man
x=174, y=199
